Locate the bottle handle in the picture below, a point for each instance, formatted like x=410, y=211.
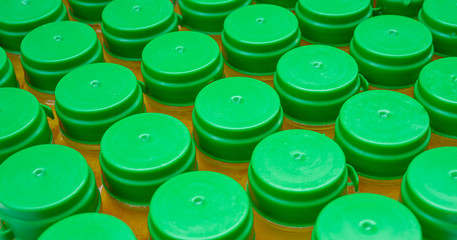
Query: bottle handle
x=354, y=178
x=5, y=232
x=47, y=111
x=363, y=83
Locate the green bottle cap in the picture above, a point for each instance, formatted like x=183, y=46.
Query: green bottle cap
x=232, y=115
x=17, y=18
x=289, y=4
x=314, y=81
x=408, y=8
x=93, y=97
x=293, y=174
x=88, y=11
x=208, y=15
x=331, y=22
x=177, y=65
x=141, y=152
x=380, y=138
x=88, y=226
x=42, y=185
x=128, y=25
x=436, y=91
x=256, y=36
x=391, y=50
x=23, y=122
x=7, y=76
x=366, y=216
x=206, y=205
x=428, y=190
x=52, y=50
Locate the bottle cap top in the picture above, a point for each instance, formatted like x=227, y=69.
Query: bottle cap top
x=289, y=4
x=88, y=11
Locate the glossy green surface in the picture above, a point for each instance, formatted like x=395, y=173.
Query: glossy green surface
x=88, y=11
x=7, y=76
x=408, y=8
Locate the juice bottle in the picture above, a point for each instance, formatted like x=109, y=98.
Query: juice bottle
x=428, y=190
x=391, y=51
x=42, y=185
x=206, y=205
x=313, y=82
x=331, y=22
x=268, y=32
x=7, y=76
x=51, y=51
x=176, y=66
x=409, y=8
x=128, y=25
x=89, y=100
x=380, y=132
x=435, y=90
x=288, y=4
x=88, y=226
x=138, y=154
x=23, y=122
x=230, y=117
x=366, y=216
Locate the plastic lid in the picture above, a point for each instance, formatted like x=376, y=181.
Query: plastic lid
x=441, y=18
x=256, y=36
x=7, y=76
x=93, y=97
x=89, y=11
x=314, y=81
x=128, y=25
x=232, y=115
x=391, y=50
x=206, y=205
x=89, y=226
x=17, y=18
x=366, y=216
x=380, y=138
x=408, y=8
x=331, y=21
x=44, y=184
x=52, y=50
x=293, y=174
x=176, y=66
x=23, y=122
x=141, y=152
x=289, y=4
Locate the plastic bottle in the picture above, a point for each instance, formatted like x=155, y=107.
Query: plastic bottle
x=331, y=22
x=428, y=190
x=42, y=185
x=366, y=216
x=230, y=117
x=409, y=8
x=380, y=132
x=268, y=32
x=7, y=76
x=23, y=122
x=128, y=25
x=313, y=82
x=89, y=100
x=391, y=50
x=138, y=154
x=206, y=205
x=51, y=51
x=435, y=90
x=176, y=66
x=288, y=4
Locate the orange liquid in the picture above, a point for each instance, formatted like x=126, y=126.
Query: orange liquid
x=229, y=72
x=183, y=114
x=328, y=130
x=441, y=141
x=18, y=70
x=267, y=230
x=388, y=188
x=134, y=66
x=407, y=91
x=305, y=43
x=436, y=57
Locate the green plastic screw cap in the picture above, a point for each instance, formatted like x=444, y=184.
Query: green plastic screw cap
x=256, y=36
x=89, y=226
x=206, y=205
x=88, y=11
x=428, y=190
x=380, y=138
x=436, y=90
x=23, y=122
x=17, y=18
x=366, y=216
x=289, y=4
x=52, y=50
x=91, y=98
x=177, y=65
x=391, y=50
x=331, y=22
x=293, y=174
x=42, y=185
x=208, y=16
x=232, y=115
x=141, y=152
x=7, y=76
x=440, y=16
x=408, y=8
x=128, y=25
x=314, y=81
